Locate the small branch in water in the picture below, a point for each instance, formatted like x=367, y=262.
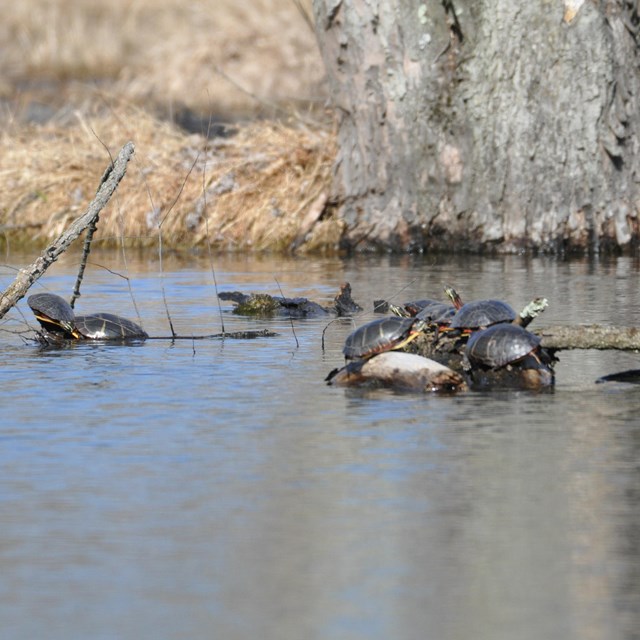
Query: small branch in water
x=326, y=326
x=250, y=334
x=26, y=277
x=91, y=229
x=208, y=237
x=293, y=330
x=160, y=223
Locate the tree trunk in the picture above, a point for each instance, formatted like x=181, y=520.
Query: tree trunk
x=477, y=124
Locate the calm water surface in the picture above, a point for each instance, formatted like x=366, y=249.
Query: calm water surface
x=218, y=489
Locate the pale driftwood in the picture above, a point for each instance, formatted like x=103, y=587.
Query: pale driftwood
x=26, y=277
x=592, y=336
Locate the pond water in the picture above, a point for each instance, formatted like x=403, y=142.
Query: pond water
x=219, y=489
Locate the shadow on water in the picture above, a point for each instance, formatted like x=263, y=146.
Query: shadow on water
x=172, y=490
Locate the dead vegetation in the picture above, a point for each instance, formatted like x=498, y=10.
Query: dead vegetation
x=252, y=190
x=167, y=52
x=80, y=79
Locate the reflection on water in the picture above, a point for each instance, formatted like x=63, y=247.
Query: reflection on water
x=219, y=489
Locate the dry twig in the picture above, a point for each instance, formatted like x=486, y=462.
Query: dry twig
x=26, y=277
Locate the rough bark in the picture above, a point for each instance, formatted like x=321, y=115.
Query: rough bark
x=485, y=123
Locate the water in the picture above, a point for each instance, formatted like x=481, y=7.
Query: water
x=219, y=489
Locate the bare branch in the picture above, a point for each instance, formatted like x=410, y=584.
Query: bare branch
x=26, y=277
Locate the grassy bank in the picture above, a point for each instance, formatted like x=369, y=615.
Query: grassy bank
x=79, y=79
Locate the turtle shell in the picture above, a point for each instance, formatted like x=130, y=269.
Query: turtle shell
x=106, y=326
x=482, y=313
x=500, y=345
x=378, y=335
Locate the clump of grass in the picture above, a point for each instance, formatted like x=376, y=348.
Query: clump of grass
x=252, y=190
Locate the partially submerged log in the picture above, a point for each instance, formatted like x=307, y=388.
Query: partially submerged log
x=592, y=336
x=400, y=371
x=265, y=305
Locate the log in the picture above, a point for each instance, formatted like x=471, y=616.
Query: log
x=26, y=277
x=592, y=336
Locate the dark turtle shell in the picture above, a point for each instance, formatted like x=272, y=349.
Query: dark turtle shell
x=54, y=314
x=500, y=345
x=482, y=313
x=380, y=335
x=437, y=313
x=106, y=326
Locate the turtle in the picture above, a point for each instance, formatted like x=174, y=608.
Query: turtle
x=482, y=313
x=57, y=318
x=511, y=347
x=54, y=314
x=412, y=308
x=428, y=309
x=493, y=311
x=107, y=326
x=382, y=334
x=439, y=313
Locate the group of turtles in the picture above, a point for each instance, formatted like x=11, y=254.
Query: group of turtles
x=431, y=345
x=421, y=345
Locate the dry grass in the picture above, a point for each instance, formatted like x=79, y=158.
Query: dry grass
x=166, y=51
x=252, y=190
x=109, y=69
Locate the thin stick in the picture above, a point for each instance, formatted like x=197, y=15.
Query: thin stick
x=26, y=277
x=396, y=294
x=91, y=229
x=290, y=318
x=351, y=320
x=160, y=223
x=206, y=228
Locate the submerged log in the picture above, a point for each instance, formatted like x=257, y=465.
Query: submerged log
x=593, y=336
x=400, y=371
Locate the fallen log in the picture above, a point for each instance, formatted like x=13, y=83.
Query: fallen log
x=27, y=276
x=592, y=336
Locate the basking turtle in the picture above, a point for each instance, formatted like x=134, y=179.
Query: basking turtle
x=59, y=322
x=439, y=313
x=382, y=334
x=482, y=313
x=489, y=312
x=410, y=309
x=432, y=311
x=513, y=353
x=400, y=371
x=106, y=326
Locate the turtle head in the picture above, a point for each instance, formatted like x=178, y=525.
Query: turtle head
x=454, y=296
x=54, y=314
